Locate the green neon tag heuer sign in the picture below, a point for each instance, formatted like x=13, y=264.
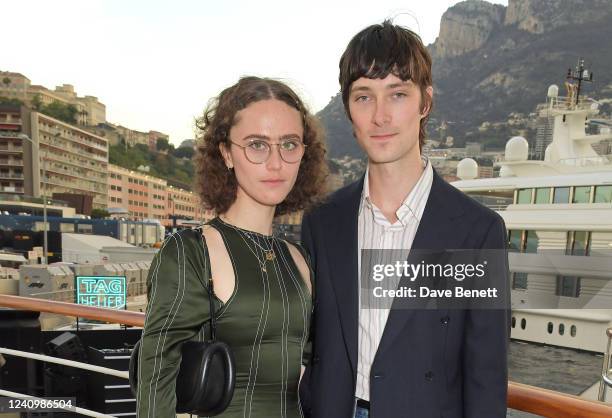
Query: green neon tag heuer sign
x=101, y=291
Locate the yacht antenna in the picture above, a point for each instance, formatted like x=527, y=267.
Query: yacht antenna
x=580, y=74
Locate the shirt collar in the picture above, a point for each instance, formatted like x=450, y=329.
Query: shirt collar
x=412, y=206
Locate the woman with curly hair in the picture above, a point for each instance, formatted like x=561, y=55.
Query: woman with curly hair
x=260, y=154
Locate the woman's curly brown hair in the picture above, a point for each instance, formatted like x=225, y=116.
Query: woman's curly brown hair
x=217, y=185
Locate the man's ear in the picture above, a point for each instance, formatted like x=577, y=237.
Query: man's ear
x=427, y=101
x=227, y=157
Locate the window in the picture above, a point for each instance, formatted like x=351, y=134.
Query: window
x=531, y=242
x=524, y=196
x=84, y=228
x=119, y=200
x=578, y=243
x=561, y=195
x=519, y=281
x=568, y=286
x=543, y=195
x=66, y=227
x=113, y=199
x=40, y=226
x=603, y=194
x=582, y=194
x=521, y=241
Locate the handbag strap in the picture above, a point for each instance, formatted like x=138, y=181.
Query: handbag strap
x=210, y=288
x=211, y=295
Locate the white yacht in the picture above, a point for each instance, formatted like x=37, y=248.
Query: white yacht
x=558, y=212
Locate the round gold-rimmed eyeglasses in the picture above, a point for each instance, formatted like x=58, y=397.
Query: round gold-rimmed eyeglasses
x=258, y=151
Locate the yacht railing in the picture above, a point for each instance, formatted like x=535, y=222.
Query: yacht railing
x=587, y=161
x=606, y=371
x=78, y=410
x=569, y=103
x=543, y=402
x=497, y=208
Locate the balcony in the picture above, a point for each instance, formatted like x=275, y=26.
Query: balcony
x=73, y=160
x=11, y=189
x=10, y=149
x=80, y=186
x=79, y=173
x=10, y=120
x=76, y=139
x=11, y=163
x=16, y=176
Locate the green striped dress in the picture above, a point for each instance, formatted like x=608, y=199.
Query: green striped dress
x=266, y=322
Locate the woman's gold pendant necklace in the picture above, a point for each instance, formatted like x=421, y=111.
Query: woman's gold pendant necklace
x=269, y=253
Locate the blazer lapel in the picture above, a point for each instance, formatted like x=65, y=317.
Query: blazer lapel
x=343, y=265
x=437, y=231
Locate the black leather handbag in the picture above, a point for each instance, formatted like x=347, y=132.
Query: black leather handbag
x=207, y=374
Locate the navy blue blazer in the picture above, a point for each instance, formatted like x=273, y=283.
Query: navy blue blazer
x=430, y=363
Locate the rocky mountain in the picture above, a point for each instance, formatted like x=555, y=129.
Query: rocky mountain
x=490, y=60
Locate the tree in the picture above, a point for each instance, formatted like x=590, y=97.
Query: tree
x=162, y=165
x=36, y=102
x=99, y=213
x=61, y=111
x=162, y=144
x=12, y=101
x=6, y=81
x=184, y=152
x=142, y=148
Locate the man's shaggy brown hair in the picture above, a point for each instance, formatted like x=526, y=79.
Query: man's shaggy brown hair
x=217, y=185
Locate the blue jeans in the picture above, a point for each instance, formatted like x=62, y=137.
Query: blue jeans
x=361, y=412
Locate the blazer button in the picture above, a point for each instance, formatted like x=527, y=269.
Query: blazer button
x=315, y=359
x=429, y=376
x=445, y=320
x=379, y=376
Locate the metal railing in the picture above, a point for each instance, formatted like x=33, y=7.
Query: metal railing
x=569, y=103
x=543, y=402
x=587, y=161
x=60, y=308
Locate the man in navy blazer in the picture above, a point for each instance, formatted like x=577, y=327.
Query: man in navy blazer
x=388, y=363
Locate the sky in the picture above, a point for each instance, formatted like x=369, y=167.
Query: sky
x=156, y=64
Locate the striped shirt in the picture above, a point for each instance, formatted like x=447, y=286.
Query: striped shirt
x=376, y=232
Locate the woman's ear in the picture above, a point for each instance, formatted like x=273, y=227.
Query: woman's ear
x=227, y=157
